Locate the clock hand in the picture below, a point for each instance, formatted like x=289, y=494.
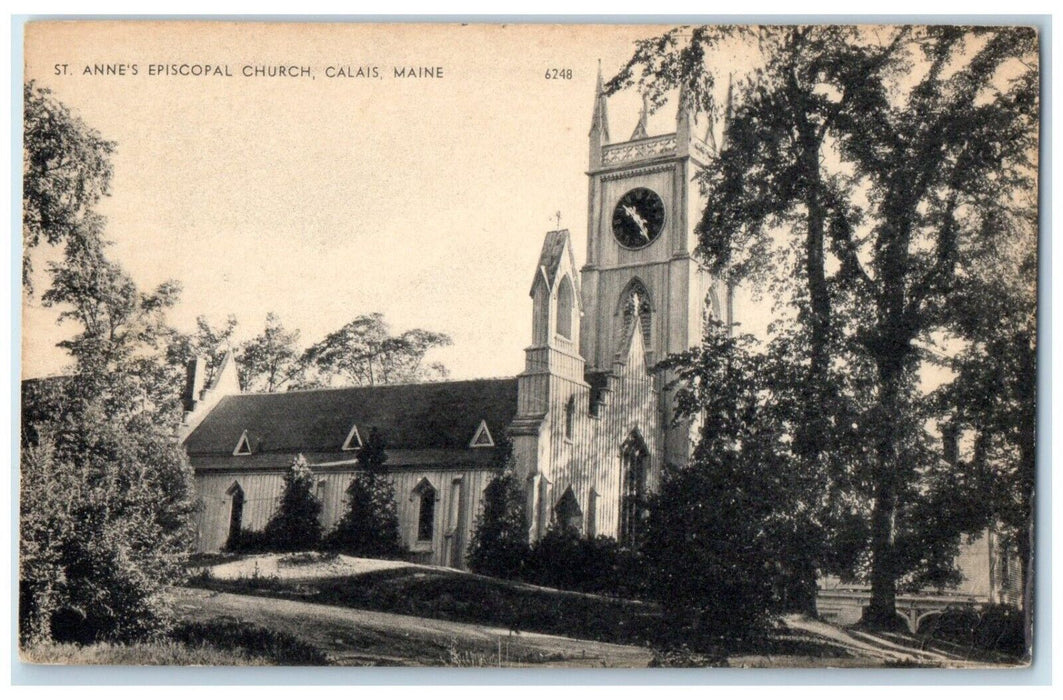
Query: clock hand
x=633, y=214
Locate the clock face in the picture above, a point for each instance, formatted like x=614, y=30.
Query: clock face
x=638, y=218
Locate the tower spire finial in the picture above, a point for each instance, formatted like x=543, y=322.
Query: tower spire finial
x=640, y=128
x=600, y=120
x=728, y=111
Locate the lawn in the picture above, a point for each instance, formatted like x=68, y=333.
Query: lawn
x=215, y=641
x=437, y=593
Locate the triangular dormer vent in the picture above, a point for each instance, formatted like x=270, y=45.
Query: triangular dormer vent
x=243, y=446
x=482, y=437
x=353, y=441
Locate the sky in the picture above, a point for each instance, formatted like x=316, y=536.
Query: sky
x=322, y=198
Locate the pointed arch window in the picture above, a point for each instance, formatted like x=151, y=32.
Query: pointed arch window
x=567, y=512
x=634, y=308
x=540, y=312
x=236, y=510
x=565, y=303
x=570, y=417
x=426, y=497
x=633, y=463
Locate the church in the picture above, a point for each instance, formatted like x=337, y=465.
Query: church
x=589, y=419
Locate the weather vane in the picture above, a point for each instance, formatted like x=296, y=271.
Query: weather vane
x=557, y=215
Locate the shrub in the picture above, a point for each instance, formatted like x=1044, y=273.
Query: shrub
x=370, y=525
x=499, y=545
x=249, y=542
x=105, y=522
x=563, y=559
x=295, y=525
x=995, y=628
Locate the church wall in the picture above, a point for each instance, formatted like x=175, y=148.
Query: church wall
x=590, y=460
x=459, y=494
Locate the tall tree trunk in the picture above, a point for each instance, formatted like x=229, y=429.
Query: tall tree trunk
x=812, y=433
x=882, y=612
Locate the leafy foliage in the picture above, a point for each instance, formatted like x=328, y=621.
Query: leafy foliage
x=364, y=352
x=208, y=342
x=370, y=525
x=271, y=360
x=561, y=558
x=499, y=544
x=875, y=168
x=66, y=171
x=105, y=493
x=730, y=526
x=295, y=525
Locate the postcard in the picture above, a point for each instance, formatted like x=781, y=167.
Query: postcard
x=528, y=345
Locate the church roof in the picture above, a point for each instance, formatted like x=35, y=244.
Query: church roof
x=553, y=254
x=440, y=415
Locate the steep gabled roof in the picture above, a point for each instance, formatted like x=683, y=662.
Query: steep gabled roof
x=551, y=258
x=443, y=415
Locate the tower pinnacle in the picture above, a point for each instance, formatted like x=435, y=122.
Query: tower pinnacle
x=640, y=128
x=600, y=119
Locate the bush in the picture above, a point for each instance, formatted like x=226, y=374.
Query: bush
x=295, y=525
x=249, y=542
x=995, y=628
x=563, y=559
x=105, y=523
x=370, y=525
x=499, y=545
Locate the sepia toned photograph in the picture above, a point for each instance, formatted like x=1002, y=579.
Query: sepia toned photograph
x=528, y=345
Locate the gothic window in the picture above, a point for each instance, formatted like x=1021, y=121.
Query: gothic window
x=570, y=417
x=236, y=510
x=634, y=308
x=565, y=302
x=567, y=512
x=633, y=459
x=426, y=510
x=540, y=313
x=592, y=513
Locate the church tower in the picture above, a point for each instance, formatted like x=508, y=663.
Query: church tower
x=640, y=270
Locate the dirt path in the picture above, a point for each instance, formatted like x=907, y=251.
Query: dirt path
x=359, y=637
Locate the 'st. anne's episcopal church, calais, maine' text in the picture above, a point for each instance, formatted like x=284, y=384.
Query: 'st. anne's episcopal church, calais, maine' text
x=588, y=419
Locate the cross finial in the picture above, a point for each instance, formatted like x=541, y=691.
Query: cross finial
x=557, y=217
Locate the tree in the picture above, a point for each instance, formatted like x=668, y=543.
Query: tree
x=270, y=360
x=499, y=545
x=949, y=170
x=994, y=389
x=775, y=172
x=895, y=153
x=364, y=352
x=726, y=527
x=210, y=342
x=105, y=492
x=295, y=526
x=370, y=525
x=66, y=170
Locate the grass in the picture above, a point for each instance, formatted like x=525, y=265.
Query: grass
x=167, y=652
x=460, y=597
x=218, y=642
